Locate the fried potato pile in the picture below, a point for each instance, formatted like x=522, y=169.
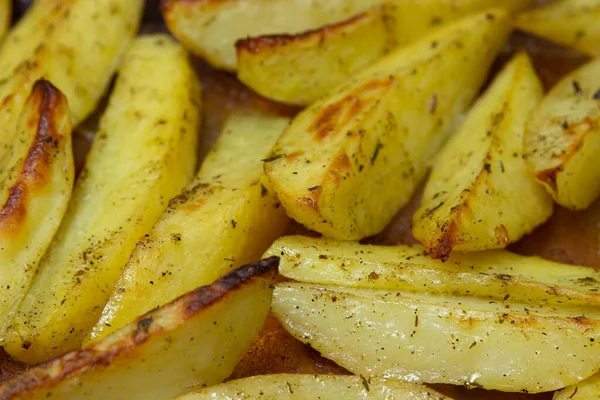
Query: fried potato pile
x=150, y=273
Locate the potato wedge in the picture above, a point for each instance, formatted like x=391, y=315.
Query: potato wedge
x=326, y=387
x=85, y=41
x=588, y=389
x=143, y=155
x=572, y=23
x=223, y=219
x=298, y=69
x=384, y=124
x=36, y=181
x=210, y=28
x=194, y=341
x=562, y=142
x=494, y=275
x=436, y=339
x=480, y=194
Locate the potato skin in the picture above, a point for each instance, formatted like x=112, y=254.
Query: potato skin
x=562, y=142
x=385, y=123
x=480, y=194
x=142, y=155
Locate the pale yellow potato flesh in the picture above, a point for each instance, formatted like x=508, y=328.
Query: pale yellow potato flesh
x=143, y=154
x=308, y=387
x=589, y=389
x=36, y=181
x=473, y=342
x=562, y=142
x=223, y=219
x=298, y=69
x=386, y=123
x=495, y=275
x=572, y=23
x=81, y=65
x=192, y=342
x=480, y=194
x=210, y=28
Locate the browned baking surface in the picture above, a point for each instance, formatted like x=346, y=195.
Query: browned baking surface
x=570, y=237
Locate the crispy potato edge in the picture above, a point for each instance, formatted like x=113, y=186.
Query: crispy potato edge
x=261, y=43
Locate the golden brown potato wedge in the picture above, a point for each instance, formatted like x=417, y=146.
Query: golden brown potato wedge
x=493, y=275
x=562, y=142
x=194, y=341
x=298, y=69
x=466, y=341
x=308, y=387
x=588, y=389
x=210, y=28
x=143, y=154
x=84, y=42
x=480, y=194
x=334, y=165
x=572, y=23
x=223, y=219
x=36, y=180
